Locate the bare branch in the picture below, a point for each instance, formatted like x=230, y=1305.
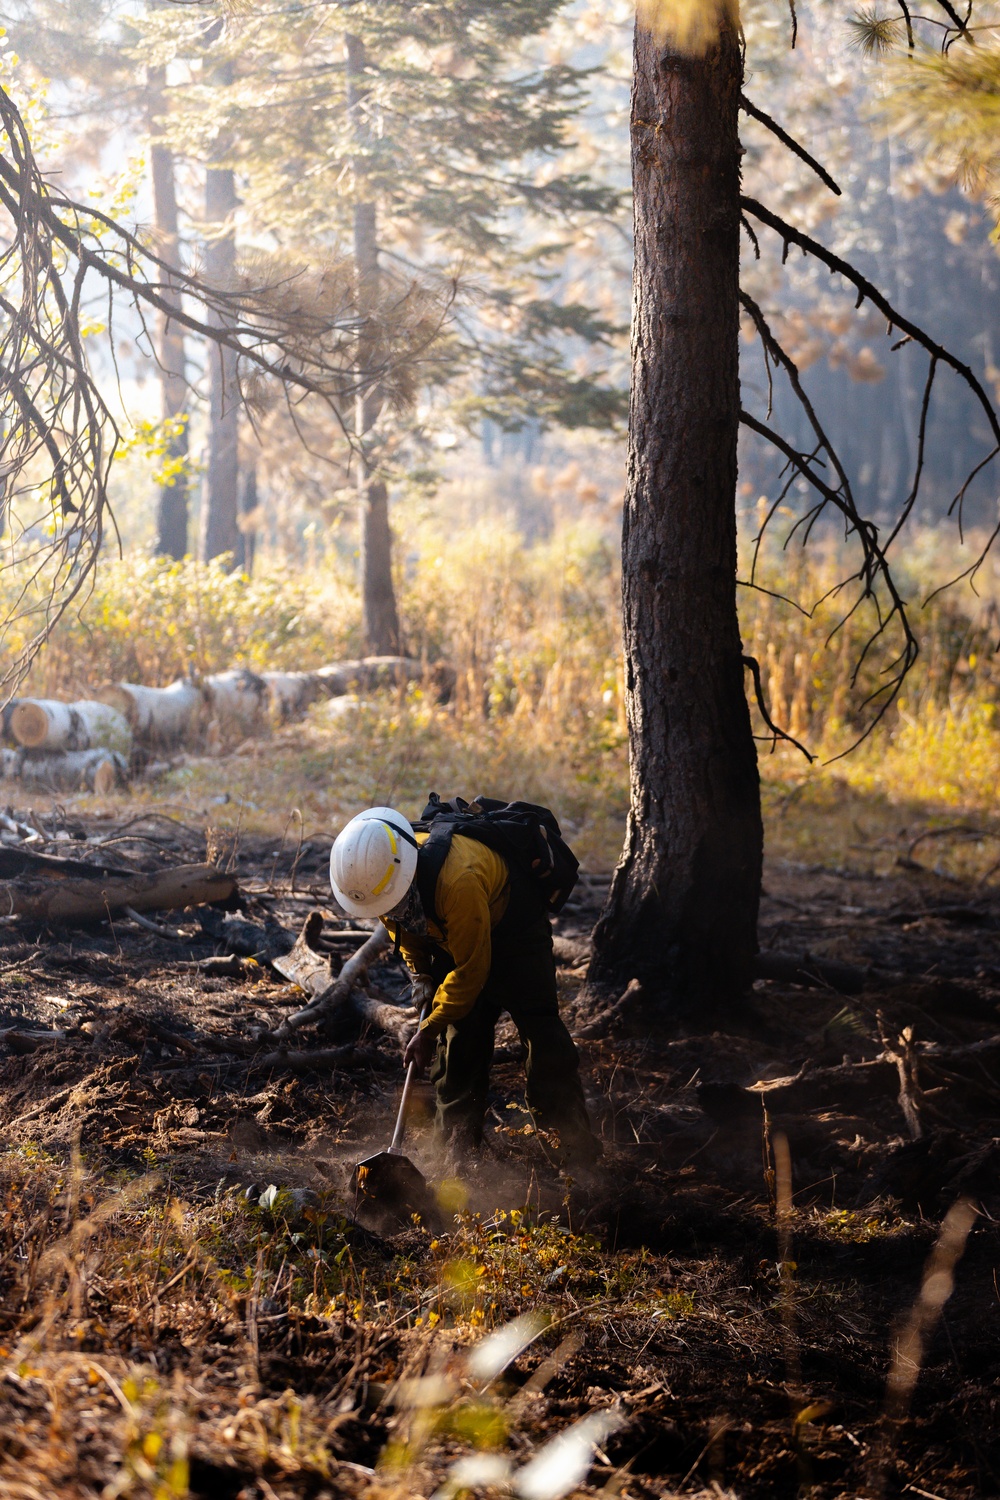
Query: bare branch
x=866, y=289
x=753, y=665
x=788, y=140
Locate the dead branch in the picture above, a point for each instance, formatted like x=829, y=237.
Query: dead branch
x=911, y=1096
x=397, y=1020
x=788, y=140
x=150, y=926
x=866, y=289
x=874, y=570
x=753, y=665
x=622, y=1012
x=812, y=1086
x=335, y=994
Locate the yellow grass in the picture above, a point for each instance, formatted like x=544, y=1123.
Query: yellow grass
x=532, y=631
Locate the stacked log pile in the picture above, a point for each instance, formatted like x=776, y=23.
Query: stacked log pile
x=95, y=745
x=66, y=746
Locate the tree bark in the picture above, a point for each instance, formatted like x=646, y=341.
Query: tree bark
x=681, y=915
x=221, y=505
x=172, y=505
x=379, y=615
x=157, y=716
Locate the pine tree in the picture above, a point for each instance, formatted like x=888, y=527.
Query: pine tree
x=220, y=503
x=681, y=914
x=172, y=507
x=425, y=138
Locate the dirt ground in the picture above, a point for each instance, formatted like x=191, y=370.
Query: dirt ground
x=754, y=1287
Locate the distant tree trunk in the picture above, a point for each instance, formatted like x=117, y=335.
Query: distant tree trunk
x=172, y=505
x=248, y=519
x=379, y=616
x=681, y=914
x=220, y=506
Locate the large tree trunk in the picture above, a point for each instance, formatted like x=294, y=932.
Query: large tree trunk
x=682, y=910
x=221, y=504
x=172, y=505
x=379, y=616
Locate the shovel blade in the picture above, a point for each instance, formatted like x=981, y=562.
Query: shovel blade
x=388, y=1189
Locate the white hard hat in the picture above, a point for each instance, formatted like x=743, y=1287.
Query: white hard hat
x=373, y=862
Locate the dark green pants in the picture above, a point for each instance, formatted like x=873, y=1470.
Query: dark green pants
x=522, y=981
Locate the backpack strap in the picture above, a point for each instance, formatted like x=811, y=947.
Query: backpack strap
x=431, y=856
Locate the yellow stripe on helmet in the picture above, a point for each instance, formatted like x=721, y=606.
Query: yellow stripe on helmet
x=395, y=850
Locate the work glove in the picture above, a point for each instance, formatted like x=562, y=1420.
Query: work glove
x=419, y=1046
x=422, y=992
x=420, y=1051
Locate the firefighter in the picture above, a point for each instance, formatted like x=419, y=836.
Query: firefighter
x=485, y=951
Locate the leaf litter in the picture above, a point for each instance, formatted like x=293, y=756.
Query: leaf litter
x=731, y=1306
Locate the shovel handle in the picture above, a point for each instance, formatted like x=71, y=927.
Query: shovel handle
x=395, y=1145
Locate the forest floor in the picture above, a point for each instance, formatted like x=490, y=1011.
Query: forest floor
x=737, y=1299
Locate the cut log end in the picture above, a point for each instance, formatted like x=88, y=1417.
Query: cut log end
x=105, y=778
x=29, y=723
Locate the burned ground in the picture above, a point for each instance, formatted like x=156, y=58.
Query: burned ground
x=188, y=1300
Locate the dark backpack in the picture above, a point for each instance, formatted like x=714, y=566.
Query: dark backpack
x=543, y=868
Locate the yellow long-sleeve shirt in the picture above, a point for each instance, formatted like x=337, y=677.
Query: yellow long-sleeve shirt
x=471, y=896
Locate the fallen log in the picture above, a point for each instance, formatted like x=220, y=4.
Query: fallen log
x=368, y=673
x=45, y=724
x=157, y=716
x=73, y=898
x=20, y=861
x=98, y=771
x=6, y=713
x=326, y=1001
x=397, y=1020
x=291, y=693
x=815, y=973
x=237, y=699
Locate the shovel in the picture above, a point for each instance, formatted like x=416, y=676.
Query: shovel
x=387, y=1187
